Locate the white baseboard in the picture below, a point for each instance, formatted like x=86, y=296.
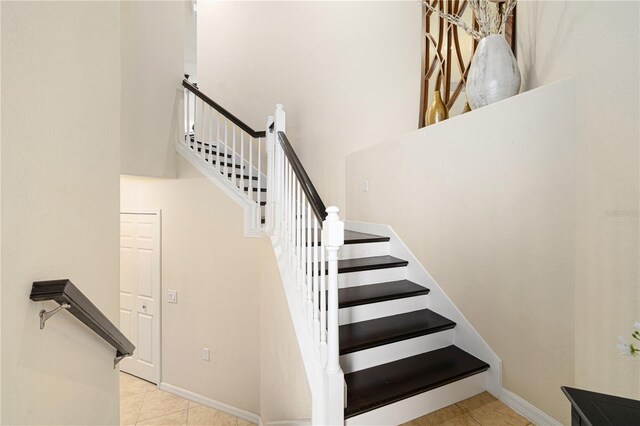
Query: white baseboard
x=527, y=410
x=192, y=396
x=306, y=422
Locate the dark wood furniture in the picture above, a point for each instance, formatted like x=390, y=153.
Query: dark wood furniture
x=596, y=409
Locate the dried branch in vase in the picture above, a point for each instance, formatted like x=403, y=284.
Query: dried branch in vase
x=489, y=14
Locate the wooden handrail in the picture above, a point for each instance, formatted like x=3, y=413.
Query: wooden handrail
x=70, y=298
x=235, y=120
x=307, y=186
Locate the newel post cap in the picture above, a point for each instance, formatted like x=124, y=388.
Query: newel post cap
x=333, y=228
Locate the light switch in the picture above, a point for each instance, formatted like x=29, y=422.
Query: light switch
x=173, y=296
x=365, y=185
x=205, y=354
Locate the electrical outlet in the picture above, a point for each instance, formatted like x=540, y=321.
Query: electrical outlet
x=365, y=185
x=173, y=296
x=206, y=354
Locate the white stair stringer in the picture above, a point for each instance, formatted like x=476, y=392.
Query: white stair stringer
x=252, y=212
x=463, y=335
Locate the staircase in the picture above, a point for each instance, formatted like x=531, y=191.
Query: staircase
x=369, y=318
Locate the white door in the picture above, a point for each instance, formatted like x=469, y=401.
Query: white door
x=140, y=292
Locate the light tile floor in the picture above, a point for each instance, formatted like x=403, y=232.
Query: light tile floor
x=480, y=410
x=143, y=404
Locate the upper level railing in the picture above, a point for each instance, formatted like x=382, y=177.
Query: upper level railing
x=194, y=89
x=227, y=145
x=73, y=300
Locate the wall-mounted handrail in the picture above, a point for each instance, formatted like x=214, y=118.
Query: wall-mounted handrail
x=235, y=120
x=307, y=186
x=76, y=303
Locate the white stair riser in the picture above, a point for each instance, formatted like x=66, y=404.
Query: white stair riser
x=353, y=279
x=394, y=351
x=424, y=403
x=353, y=251
x=381, y=309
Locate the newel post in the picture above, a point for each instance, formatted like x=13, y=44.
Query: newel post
x=278, y=195
x=270, y=179
x=332, y=239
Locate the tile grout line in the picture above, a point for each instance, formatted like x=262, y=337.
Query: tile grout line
x=140, y=409
x=166, y=414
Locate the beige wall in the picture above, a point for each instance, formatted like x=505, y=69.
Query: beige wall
x=153, y=57
x=230, y=298
x=598, y=43
x=348, y=73
x=284, y=390
x=486, y=202
x=60, y=163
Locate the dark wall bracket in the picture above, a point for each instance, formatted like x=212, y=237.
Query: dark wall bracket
x=71, y=299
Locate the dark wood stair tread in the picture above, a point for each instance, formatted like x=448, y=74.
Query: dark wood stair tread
x=353, y=237
x=372, y=293
x=245, y=177
x=215, y=153
x=222, y=164
x=382, y=331
x=385, y=384
x=368, y=264
x=254, y=189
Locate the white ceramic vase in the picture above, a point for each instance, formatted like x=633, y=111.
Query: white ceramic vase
x=494, y=73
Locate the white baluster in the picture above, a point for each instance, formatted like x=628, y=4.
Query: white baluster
x=282, y=194
x=195, y=122
x=226, y=148
x=290, y=230
x=242, y=163
x=233, y=158
x=323, y=305
x=195, y=125
x=319, y=299
x=202, y=150
x=218, y=147
x=185, y=107
x=250, y=174
x=292, y=226
x=303, y=247
x=313, y=313
x=211, y=155
x=311, y=243
x=298, y=232
x=279, y=170
x=285, y=206
x=259, y=182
